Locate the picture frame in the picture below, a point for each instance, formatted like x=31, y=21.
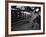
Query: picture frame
x=8, y=10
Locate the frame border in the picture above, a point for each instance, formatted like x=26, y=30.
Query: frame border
x=6, y=17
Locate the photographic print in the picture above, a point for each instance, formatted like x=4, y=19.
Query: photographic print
x=25, y=18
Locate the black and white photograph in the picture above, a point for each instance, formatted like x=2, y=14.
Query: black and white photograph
x=25, y=18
